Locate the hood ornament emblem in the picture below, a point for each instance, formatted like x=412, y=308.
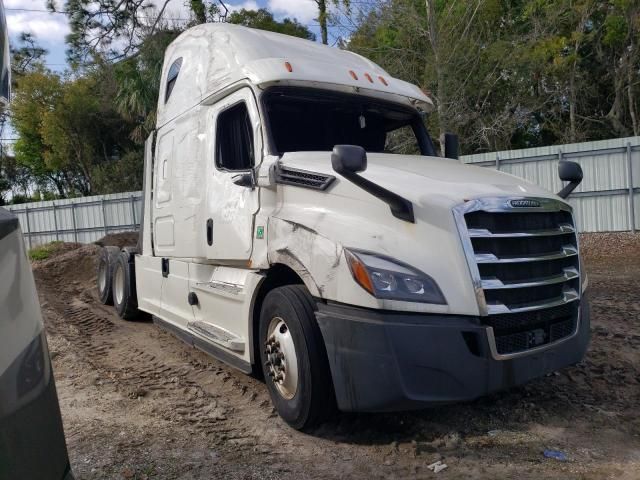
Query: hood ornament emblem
x=525, y=203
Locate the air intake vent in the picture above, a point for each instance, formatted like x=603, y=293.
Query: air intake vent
x=527, y=267
x=303, y=178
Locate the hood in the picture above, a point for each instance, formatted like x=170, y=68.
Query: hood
x=421, y=180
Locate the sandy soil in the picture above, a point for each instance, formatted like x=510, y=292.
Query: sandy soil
x=137, y=403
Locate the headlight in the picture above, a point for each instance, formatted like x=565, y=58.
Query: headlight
x=384, y=277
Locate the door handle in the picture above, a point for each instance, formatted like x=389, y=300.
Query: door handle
x=210, y=232
x=165, y=267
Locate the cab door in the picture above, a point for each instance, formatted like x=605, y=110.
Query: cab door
x=236, y=150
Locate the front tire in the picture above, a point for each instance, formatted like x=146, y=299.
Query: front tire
x=294, y=359
x=125, y=298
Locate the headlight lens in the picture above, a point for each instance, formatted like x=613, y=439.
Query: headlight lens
x=384, y=277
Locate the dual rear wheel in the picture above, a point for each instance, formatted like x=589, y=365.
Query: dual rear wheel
x=116, y=281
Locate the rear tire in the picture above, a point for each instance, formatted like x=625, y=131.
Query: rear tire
x=106, y=260
x=294, y=359
x=125, y=298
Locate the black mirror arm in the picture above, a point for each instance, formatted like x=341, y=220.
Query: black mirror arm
x=400, y=207
x=567, y=189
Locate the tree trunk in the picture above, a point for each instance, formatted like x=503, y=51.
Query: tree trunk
x=631, y=99
x=440, y=88
x=322, y=19
x=572, y=109
x=59, y=186
x=615, y=114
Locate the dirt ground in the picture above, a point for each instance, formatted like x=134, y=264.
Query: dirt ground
x=137, y=403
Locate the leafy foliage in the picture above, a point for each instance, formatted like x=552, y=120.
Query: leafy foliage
x=263, y=20
x=514, y=74
x=69, y=132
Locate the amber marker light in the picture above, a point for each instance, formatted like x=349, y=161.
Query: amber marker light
x=359, y=272
x=288, y=66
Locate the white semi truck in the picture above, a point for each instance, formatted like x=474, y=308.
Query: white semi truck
x=298, y=223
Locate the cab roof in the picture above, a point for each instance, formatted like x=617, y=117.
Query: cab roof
x=209, y=58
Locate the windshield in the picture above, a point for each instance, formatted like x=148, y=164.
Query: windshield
x=303, y=119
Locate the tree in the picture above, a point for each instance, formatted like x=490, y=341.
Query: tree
x=514, y=74
x=69, y=133
x=324, y=15
x=27, y=57
x=112, y=29
x=263, y=20
x=116, y=29
x=458, y=51
x=619, y=50
x=38, y=92
x=138, y=82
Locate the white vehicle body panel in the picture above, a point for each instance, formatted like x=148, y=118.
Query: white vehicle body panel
x=232, y=207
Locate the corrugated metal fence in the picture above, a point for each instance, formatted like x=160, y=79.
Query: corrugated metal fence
x=84, y=219
x=607, y=200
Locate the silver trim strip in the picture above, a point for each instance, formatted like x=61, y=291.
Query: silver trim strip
x=563, y=229
x=568, y=296
x=567, y=251
x=570, y=273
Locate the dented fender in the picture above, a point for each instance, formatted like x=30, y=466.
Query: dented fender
x=313, y=256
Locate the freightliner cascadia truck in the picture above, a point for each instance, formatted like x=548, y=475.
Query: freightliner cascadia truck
x=298, y=223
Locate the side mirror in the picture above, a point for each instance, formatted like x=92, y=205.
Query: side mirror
x=451, y=146
x=569, y=172
x=349, y=159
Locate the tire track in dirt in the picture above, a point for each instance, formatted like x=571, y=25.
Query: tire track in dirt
x=138, y=373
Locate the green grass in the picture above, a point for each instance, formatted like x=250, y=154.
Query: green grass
x=43, y=252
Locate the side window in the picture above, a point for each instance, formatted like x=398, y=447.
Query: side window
x=402, y=141
x=234, y=139
x=172, y=76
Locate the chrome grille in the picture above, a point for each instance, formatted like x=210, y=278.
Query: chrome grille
x=526, y=268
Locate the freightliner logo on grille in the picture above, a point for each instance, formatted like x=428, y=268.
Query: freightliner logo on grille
x=525, y=203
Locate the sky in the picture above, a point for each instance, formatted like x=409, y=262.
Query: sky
x=50, y=29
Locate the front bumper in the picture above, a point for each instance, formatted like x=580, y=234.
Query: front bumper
x=386, y=361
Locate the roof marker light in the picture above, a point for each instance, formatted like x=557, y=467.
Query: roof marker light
x=288, y=66
x=368, y=77
x=353, y=74
x=384, y=82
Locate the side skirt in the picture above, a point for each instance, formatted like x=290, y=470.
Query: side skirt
x=206, y=347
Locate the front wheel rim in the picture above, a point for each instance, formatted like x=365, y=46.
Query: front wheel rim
x=282, y=360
